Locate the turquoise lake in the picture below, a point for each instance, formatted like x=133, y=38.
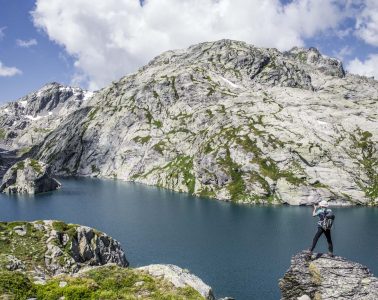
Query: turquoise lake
x=239, y=250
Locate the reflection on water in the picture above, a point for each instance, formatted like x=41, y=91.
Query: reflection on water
x=239, y=250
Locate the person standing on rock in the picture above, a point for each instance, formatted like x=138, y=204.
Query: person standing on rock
x=324, y=225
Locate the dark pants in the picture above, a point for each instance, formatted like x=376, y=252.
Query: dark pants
x=327, y=233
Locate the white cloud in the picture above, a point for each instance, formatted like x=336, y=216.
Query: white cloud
x=112, y=38
x=26, y=43
x=2, y=34
x=367, y=22
x=367, y=67
x=8, y=71
x=343, y=52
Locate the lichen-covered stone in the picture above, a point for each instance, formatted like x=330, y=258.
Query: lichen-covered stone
x=28, y=176
x=323, y=277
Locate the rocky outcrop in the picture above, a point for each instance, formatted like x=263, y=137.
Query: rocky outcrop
x=324, y=277
x=55, y=260
x=179, y=278
x=28, y=176
x=59, y=248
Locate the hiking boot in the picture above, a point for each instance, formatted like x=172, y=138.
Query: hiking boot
x=330, y=254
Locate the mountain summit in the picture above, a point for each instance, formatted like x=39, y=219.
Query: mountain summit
x=230, y=121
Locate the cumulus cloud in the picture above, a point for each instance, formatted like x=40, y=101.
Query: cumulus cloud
x=26, y=43
x=367, y=67
x=8, y=71
x=367, y=22
x=343, y=52
x=112, y=38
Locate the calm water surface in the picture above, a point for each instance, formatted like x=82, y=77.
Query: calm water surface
x=239, y=250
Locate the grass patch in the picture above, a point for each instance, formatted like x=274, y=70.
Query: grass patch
x=30, y=248
x=159, y=147
x=36, y=166
x=142, y=139
x=236, y=187
x=15, y=285
x=114, y=283
x=20, y=165
x=157, y=123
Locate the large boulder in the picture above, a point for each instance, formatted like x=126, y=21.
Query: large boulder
x=324, y=277
x=179, y=278
x=28, y=176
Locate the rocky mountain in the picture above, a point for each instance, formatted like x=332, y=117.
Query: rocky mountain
x=55, y=260
x=27, y=121
x=230, y=121
x=324, y=277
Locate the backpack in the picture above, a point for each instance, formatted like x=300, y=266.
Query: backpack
x=328, y=220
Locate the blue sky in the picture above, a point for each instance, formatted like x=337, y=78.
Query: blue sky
x=39, y=64
x=89, y=43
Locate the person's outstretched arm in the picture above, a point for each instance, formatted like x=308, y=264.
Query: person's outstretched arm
x=314, y=214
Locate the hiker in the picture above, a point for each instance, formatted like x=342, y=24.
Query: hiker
x=326, y=218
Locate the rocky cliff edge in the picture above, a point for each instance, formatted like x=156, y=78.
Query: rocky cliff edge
x=323, y=277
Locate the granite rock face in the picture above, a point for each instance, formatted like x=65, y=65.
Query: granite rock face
x=324, y=277
x=230, y=121
x=28, y=176
x=179, y=278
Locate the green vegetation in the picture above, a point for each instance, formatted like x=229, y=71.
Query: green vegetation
x=208, y=149
x=3, y=134
x=211, y=91
x=20, y=165
x=210, y=113
x=15, y=285
x=180, y=167
x=236, y=187
x=112, y=282
x=149, y=116
x=173, y=78
x=36, y=166
x=367, y=156
x=22, y=151
x=142, y=139
x=42, y=130
x=95, y=169
x=159, y=147
x=302, y=57
x=206, y=192
x=158, y=123
x=29, y=248
x=93, y=113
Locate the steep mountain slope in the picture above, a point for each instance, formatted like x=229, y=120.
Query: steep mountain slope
x=27, y=121
x=230, y=121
